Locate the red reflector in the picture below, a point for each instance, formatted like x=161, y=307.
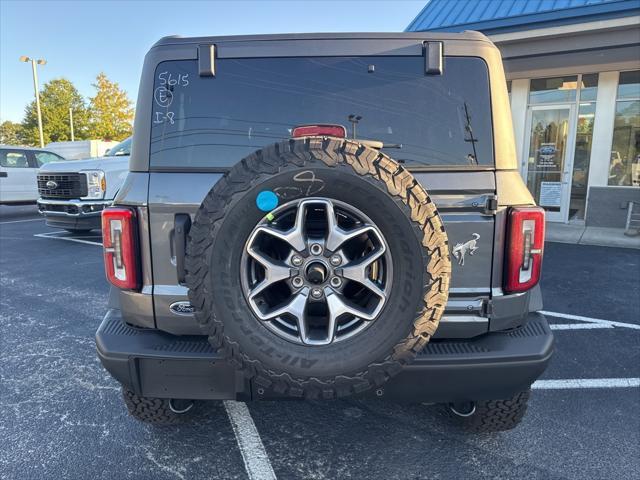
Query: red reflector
x=119, y=237
x=524, y=248
x=319, y=130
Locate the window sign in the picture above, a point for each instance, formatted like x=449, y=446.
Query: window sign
x=550, y=194
x=547, y=156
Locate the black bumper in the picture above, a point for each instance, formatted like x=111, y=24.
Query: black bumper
x=493, y=366
x=74, y=223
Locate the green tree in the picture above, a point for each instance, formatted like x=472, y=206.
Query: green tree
x=56, y=97
x=10, y=133
x=111, y=111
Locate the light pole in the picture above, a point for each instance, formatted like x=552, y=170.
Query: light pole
x=354, y=119
x=71, y=123
x=36, y=90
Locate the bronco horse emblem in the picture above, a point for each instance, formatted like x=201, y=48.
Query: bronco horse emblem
x=461, y=249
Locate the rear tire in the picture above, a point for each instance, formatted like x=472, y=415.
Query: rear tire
x=489, y=415
x=157, y=411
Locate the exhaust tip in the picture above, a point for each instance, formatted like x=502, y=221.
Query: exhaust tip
x=180, y=411
x=464, y=409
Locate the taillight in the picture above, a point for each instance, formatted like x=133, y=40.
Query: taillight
x=119, y=239
x=524, y=248
x=319, y=130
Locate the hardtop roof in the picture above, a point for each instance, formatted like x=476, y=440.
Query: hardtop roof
x=468, y=35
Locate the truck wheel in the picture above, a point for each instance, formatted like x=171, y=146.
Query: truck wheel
x=319, y=267
x=489, y=415
x=158, y=411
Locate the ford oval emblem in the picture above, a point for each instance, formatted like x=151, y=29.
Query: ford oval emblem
x=182, y=308
x=51, y=185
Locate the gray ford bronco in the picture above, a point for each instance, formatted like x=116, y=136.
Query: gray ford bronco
x=325, y=216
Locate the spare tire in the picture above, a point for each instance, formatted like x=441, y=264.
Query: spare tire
x=318, y=266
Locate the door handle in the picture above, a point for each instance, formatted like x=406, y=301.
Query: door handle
x=4, y=174
x=182, y=225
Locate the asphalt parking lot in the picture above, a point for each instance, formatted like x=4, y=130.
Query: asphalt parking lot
x=62, y=415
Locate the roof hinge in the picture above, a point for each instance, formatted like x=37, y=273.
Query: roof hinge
x=207, y=60
x=433, y=58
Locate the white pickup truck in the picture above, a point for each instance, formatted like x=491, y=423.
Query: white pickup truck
x=73, y=194
x=18, y=169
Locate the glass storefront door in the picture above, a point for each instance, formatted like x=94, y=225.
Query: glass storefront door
x=550, y=157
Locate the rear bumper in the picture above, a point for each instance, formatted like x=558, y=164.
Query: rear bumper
x=496, y=365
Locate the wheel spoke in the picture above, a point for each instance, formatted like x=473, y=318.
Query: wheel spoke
x=357, y=271
x=273, y=271
x=337, y=236
x=295, y=307
x=374, y=288
x=293, y=237
x=338, y=305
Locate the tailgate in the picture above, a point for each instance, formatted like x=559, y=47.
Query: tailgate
x=466, y=201
x=463, y=199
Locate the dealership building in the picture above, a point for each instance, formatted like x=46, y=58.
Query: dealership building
x=573, y=75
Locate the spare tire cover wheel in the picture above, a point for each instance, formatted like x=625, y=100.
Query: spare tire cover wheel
x=318, y=266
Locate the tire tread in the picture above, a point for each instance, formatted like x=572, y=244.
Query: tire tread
x=149, y=409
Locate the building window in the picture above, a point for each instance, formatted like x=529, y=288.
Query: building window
x=588, y=87
x=553, y=90
x=624, y=169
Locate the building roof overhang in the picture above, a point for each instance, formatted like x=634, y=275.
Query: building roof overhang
x=588, y=47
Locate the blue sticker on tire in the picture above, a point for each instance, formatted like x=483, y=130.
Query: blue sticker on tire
x=267, y=200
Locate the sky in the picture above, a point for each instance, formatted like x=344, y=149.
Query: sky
x=81, y=38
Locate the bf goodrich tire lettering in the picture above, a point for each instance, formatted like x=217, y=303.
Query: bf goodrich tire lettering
x=333, y=170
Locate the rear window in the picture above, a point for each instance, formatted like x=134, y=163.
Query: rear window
x=204, y=122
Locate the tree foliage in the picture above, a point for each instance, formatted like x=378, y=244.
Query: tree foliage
x=56, y=97
x=11, y=133
x=111, y=111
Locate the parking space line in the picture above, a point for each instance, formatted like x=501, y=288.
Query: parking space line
x=69, y=239
x=576, y=383
x=19, y=221
x=256, y=460
x=578, y=326
x=591, y=320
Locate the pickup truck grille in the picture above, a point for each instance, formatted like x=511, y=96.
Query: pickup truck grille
x=67, y=185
